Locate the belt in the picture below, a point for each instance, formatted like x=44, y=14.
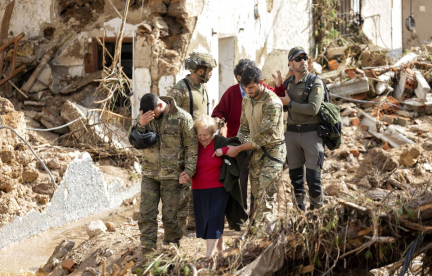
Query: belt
x=302, y=128
x=269, y=156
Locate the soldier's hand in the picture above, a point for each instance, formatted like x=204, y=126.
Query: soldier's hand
x=232, y=151
x=278, y=78
x=285, y=100
x=146, y=118
x=218, y=152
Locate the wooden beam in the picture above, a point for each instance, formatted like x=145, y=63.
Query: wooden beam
x=13, y=40
x=28, y=85
x=5, y=21
x=12, y=74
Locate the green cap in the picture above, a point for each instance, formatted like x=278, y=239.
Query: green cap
x=295, y=52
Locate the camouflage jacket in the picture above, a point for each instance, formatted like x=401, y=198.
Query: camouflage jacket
x=180, y=93
x=177, y=146
x=261, y=121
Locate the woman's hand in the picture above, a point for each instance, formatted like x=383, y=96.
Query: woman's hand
x=218, y=152
x=184, y=178
x=278, y=78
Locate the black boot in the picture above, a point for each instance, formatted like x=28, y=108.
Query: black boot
x=316, y=196
x=297, y=180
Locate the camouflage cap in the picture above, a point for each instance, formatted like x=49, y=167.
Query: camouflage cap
x=196, y=59
x=295, y=52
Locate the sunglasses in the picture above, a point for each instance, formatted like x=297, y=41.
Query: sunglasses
x=298, y=59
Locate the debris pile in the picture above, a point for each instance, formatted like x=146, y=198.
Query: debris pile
x=24, y=183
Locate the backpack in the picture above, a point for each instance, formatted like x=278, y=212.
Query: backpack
x=330, y=128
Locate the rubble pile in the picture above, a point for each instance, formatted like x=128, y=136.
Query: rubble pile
x=24, y=183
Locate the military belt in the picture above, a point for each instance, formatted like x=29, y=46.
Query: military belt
x=302, y=128
x=266, y=154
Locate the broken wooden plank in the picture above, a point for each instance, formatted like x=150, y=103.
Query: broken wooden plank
x=28, y=85
x=17, y=89
x=351, y=87
x=81, y=83
x=4, y=30
x=12, y=74
x=5, y=21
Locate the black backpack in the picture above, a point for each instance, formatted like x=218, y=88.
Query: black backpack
x=330, y=128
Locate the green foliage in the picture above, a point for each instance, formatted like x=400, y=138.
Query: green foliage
x=186, y=270
x=139, y=271
x=368, y=254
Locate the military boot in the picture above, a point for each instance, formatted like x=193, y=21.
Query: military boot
x=313, y=178
x=297, y=180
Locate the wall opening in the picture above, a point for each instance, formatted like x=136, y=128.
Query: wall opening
x=94, y=60
x=226, y=64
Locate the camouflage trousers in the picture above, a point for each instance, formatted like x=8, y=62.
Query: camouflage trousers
x=185, y=209
x=151, y=192
x=264, y=176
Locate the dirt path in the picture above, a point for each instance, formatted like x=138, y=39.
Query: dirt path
x=30, y=254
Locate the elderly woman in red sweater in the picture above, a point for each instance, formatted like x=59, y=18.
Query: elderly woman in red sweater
x=209, y=195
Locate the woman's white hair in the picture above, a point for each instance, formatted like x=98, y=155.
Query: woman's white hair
x=206, y=122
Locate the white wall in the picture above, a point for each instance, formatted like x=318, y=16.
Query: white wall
x=286, y=26
x=378, y=22
x=27, y=16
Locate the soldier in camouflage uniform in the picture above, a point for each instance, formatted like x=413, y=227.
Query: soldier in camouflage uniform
x=262, y=131
x=174, y=153
x=193, y=90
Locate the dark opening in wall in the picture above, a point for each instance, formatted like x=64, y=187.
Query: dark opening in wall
x=126, y=58
x=94, y=57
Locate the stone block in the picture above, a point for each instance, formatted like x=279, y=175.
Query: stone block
x=355, y=121
x=95, y=228
x=333, y=65
x=387, y=119
x=157, y=6
x=335, y=52
x=402, y=121
x=354, y=152
x=68, y=264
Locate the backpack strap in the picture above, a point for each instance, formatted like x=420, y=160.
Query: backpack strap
x=190, y=97
x=287, y=81
x=208, y=103
x=310, y=81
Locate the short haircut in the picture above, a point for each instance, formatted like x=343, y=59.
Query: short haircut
x=206, y=122
x=148, y=102
x=251, y=74
x=241, y=65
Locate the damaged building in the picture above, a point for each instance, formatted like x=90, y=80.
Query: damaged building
x=59, y=72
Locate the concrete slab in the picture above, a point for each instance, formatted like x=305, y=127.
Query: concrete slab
x=392, y=134
x=401, y=85
x=423, y=87
x=351, y=87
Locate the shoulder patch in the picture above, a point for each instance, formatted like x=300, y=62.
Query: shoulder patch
x=318, y=89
